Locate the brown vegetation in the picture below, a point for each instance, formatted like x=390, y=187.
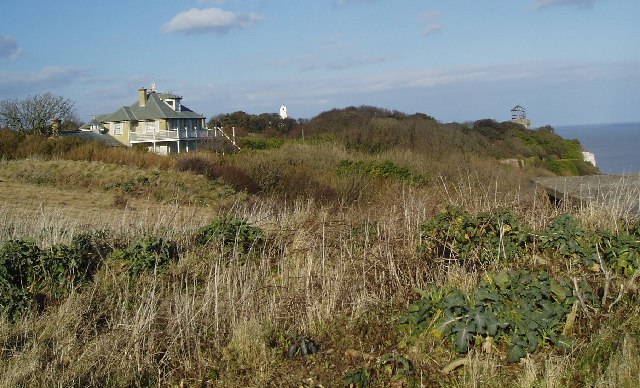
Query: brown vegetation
x=307, y=289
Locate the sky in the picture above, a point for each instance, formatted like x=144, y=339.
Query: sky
x=566, y=61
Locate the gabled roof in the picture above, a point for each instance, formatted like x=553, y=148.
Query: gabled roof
x=97, y=120
x=90, y=135
x=164, y=96
x=154, y=109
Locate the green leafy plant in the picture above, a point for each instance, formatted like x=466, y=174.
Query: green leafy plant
x=520, y=309
x=457, y=234
x=395, y=367
x=565, y=238
x=301, y=346
x=620, y=252
x=357, y=378
x=147, y=253
x=19, y=261
x=380, y=169
x=231, y=232
x=29, y=273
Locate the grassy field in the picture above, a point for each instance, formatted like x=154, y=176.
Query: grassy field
x=309, y=264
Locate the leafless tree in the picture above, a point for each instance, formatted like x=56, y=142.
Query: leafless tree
x=34, y=113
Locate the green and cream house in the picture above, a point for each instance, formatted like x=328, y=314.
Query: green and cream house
x=157, y=120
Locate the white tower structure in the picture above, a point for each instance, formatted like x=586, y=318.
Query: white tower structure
x=283, y=112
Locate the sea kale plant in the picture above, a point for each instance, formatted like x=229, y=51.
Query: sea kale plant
x=456, y=234
x=231, y=232
x=147, y=254
x=30, y=274
x=518, y=310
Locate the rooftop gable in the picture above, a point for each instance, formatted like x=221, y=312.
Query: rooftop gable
x=154, y=109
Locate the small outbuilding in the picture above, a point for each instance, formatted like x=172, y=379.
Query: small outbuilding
x=519, y=116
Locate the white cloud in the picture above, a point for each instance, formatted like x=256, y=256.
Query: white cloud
x=309, y=64
x=539, y=73
x=431, y=22
x=50, y=77
x=9, y=48
x=542, y=4
x=206, y=20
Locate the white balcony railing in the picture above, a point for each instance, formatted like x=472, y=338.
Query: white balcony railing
x=171, y=135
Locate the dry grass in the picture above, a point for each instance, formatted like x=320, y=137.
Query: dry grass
x=338, y=274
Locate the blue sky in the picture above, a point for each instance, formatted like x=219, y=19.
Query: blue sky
x=566, y=61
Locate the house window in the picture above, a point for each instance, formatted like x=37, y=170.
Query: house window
x=150, y=126
x=117, y=128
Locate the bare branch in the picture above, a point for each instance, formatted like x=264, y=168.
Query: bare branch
x=34, y=113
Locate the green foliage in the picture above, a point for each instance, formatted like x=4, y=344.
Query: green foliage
x=135, y=185
x=261, y=143
x=231, y=232
x=29, y=273
x=385, y=169
x=519, y=309
x=252, y=123
x=395, y=367
x=357, y=378
x=19, y=261
x=566, y=239
x=570, y=167
x=550, y=145
x=620, y=252
x=457, y=234
x=146, y=254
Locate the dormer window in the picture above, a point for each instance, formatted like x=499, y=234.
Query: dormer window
x=174, y=103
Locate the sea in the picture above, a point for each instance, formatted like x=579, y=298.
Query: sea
x=616, y=146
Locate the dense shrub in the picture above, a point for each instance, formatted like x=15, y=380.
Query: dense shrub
x=231, y=232
x=146, y=254
x=521, y=309
x=235, y=177
x=570, y=167
x=381, y=169
x=197, y=163
x=260, y=143
x=30, y=274
x=457, y=234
